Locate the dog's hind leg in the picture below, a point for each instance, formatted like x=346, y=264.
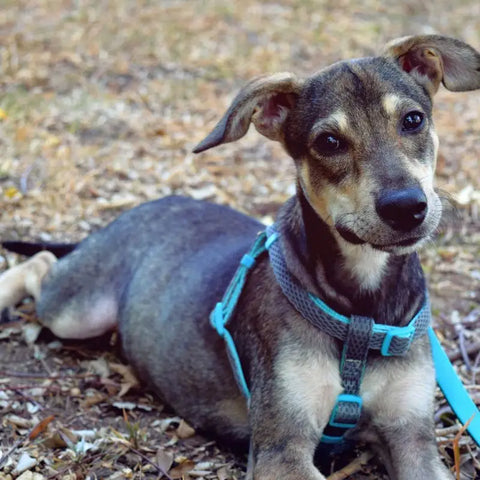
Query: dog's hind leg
x=65, y=302
x=25, y=280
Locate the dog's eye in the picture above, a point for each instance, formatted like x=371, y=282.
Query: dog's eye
x=412, y=121
x=329, y=144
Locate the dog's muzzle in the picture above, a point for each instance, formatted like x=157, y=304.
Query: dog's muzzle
x=401, y=222
x=402, y=210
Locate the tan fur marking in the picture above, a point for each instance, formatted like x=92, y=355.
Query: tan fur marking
x=337, y=120
x=318, y=204
x=391, y=103
x=423, y=173
x=334, y=199
x=340, y=118
x=309, y=385
x=365, y=263
x=397, y=395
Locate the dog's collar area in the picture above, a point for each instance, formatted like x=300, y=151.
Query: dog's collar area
x=389, y=339
x=359, y=334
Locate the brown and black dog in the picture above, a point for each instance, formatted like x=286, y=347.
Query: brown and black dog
x=364, y=145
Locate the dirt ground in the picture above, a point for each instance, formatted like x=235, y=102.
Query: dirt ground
x=101, y=103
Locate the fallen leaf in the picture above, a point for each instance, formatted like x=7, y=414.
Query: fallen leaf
x=24, y=463
x=40, y=427
x=31, y=331
x=182, y=469
x=52, y=141
x=18, y=421
x=93, y=399
x=55, y=440
x=98, y=366
x=164, y=460
x=30, y=476
x=12, y=192
x=184, y=430
x=129, y=378
x=222, y=473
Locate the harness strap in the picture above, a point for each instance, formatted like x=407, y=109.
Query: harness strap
x=453, y=389
x=348, y=407
x=223, y=310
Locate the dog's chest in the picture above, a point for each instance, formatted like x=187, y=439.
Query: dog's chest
x=394, y=389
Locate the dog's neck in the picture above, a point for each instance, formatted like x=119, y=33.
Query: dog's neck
x=352, y=279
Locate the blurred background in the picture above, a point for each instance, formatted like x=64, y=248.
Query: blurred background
x=101, y=103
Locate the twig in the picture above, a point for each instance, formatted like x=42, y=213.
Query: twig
x=10, y=373
x=153, y=464
x=5, y=388
x=463, y=348
x=14, y=447
x=476, y=363
x=469, y=350
x=456, y=446
x=45, y=366
x=32, y=434
x=61, y=473
x=352, y=467
x=29, y=398
x=443, y=432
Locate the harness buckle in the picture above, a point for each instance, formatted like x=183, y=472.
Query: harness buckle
x=346, y=411
x=401, y=333
x=331, y=440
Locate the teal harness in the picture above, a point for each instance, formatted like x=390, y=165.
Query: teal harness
x=359, y=335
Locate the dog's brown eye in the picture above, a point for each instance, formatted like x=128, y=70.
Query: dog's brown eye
x=412, y=121
x=329, y=144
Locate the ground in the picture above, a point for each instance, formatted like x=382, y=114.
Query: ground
x=101, y=103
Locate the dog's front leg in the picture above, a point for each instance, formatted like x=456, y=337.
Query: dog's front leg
x=409, y=452
x=289, y=409
x=402, y=413
x=272, y=457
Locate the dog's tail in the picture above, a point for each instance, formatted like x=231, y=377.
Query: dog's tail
x=31, y=248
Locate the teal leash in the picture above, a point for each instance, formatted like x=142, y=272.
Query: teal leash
x=449, y=382
x=453, y=389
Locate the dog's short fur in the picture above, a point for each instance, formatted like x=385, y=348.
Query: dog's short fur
x=362, y=138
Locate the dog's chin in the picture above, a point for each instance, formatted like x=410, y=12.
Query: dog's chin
x=404, y=247
x=401, y=247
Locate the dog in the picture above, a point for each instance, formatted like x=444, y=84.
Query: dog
x=361, y=135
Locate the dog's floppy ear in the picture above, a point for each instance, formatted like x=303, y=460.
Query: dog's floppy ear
x=265, y=102
x=432, y=59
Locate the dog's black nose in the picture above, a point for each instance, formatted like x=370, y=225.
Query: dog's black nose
x=403, y=210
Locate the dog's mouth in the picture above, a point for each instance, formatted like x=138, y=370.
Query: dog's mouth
x=353, y=238
x=349, y=235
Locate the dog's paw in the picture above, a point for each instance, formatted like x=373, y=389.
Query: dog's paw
x=25, y=279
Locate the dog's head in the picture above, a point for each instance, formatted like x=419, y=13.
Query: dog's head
x=362, y=136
